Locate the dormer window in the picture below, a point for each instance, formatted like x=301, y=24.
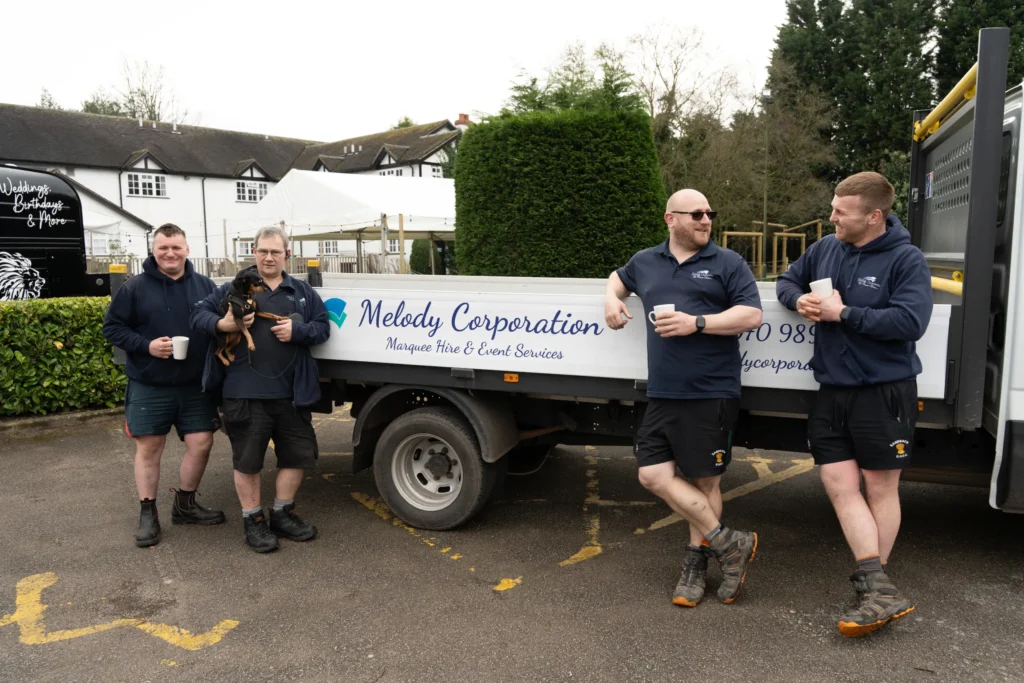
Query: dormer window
x=250, y=191
x=147, y=185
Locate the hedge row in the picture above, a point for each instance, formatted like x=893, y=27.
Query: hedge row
x=53, y=357
x=567, y=194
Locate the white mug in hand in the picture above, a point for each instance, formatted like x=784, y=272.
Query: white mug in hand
x=822, y=288
x=180, y=345
x=660, y=308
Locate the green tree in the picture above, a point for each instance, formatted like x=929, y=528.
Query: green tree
x=957, y=44
x=404, y=122
x=101, y=102
x=872, y=59
x=46, y=101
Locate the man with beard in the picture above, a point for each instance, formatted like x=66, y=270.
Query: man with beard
x=865, y=359
x=693, y=382
x=163, y=392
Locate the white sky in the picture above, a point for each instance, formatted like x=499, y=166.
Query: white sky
x=331, y=70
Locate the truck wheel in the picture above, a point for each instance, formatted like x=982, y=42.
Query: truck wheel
x=429, y=471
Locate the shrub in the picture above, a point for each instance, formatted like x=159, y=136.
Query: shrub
x=53, y=357
x=567, y=194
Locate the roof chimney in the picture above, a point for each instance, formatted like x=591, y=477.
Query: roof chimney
x=463, y=122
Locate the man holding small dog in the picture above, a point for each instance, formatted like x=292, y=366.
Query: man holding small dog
x=164, y=391
x=267, y=392
x=698, y=297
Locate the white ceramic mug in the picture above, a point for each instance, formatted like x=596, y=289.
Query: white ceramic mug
x=822, y=288
x=660, y=308
x=180, y=347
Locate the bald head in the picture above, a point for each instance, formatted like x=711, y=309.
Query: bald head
x=687, y=200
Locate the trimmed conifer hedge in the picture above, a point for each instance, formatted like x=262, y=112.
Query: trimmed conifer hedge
x=566, y=194
x=53, y=357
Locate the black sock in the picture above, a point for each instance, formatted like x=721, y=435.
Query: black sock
x=870, y=564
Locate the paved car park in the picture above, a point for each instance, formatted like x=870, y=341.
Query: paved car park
x=566, y=576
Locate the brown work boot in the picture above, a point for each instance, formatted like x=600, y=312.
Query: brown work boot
x=735, y=551
x=878, y=603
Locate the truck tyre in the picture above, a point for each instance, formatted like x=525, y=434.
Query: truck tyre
x=428, y=469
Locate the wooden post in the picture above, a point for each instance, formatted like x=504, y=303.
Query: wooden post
x=359, y=251
x=433, y=271
x=225, y=224
x=401, y=243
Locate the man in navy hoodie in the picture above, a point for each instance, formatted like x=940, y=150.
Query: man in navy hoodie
x=865, y=360
x=163, y=392
x=268, y=392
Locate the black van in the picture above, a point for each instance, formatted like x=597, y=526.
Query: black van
x=42, y=238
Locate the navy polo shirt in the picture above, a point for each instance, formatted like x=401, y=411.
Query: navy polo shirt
x=711, y=281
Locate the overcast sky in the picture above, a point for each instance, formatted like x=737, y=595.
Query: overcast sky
x=331, y=70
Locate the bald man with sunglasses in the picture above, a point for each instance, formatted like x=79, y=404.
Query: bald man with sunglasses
x=693, y=382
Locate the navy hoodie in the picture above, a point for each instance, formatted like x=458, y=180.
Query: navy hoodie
x=152, y=305
x=887, y=285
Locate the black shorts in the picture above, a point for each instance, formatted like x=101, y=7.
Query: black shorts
x=873, y=425
x=252, y=422
x=696, y=433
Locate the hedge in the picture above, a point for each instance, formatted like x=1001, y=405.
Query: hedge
x=567, y=194
x=53, y=357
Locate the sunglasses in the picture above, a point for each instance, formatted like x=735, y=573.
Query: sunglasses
x=697, y=215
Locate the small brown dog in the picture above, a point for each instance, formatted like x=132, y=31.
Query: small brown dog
x=239, y=300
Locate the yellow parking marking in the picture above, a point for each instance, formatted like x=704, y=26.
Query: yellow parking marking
x=593, y=546
x=29, y=610
x=381, y=509
x=799, y=467
x=168, y=662
x=760, y=465
x=508, y=584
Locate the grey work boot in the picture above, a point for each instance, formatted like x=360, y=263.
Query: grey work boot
x=878, y=603
x=735, y=551
x=690, y=589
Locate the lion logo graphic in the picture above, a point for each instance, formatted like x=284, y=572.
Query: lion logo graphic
x=900, y=449
x=18, y=279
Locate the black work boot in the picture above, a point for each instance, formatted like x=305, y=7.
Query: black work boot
x=288, y=524
x=187, y=511
x=257, y=533
x=149, y=524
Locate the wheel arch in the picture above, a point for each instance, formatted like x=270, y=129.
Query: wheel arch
x=491, y=419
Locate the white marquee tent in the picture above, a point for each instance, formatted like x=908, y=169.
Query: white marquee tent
x=337, y=206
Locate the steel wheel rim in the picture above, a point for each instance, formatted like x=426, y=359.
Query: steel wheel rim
x=416, y=471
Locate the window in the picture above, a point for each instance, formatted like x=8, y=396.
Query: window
x=393, y=246
x=250, y=191
x=330, y=248
x=245, y=248
x=436, y=172
x=399, y=171
x=98, y=245
x=147, y=185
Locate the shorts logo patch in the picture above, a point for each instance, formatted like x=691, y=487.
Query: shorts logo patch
x=901, y=447
x=718, y=457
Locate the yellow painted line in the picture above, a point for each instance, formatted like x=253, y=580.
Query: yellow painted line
x=29, y=611
x=329, y=476
x=800, y=466
x=168, y=662
x=381, y=509
x=593, y=546
x=760, y=465
x=508, y=584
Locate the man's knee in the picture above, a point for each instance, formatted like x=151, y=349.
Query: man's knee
x=841, y=478
x=655, y=478
x=881, y=484
x=199, y=443
x=149, y=447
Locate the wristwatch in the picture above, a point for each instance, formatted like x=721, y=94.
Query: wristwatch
x=700, y=324
x=844, y=314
